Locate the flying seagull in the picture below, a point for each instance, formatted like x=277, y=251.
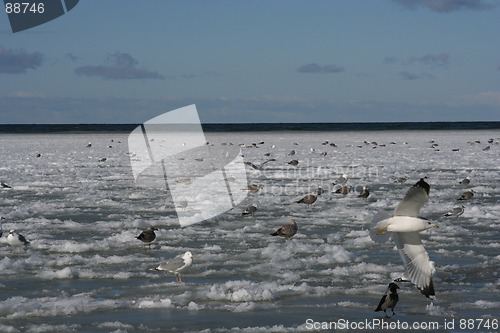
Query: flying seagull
x=15, y=239
x=258, y=167
x=457, y=211
x=148, y=235
x=287, y=231
x=404, y=227
x=177, y=265
x=389, y=300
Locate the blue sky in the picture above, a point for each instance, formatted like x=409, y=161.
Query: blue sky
x=123, y=61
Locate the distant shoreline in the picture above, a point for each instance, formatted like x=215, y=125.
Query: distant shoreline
x=260, y=127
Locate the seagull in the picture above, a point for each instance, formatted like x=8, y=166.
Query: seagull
x=293, y=162
x=465, y=181
x=177, y=265
x=457, y=211
x=287, y=231
x=400, y=180
x=467, y=195
x=250, y=210
x=320, y=190
x=89, y=144
x=341, y=180
x=3, y=185
x=389, y=300
x=292, y=153
x=364, y=193
x=309, y=199
x=404, y=227
x=253, y=188
x=259, y=167
x=148, y=235
x=344, y=189
x=15, y=239
x=1, y=230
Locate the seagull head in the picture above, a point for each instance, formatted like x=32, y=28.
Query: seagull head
x=187, y=256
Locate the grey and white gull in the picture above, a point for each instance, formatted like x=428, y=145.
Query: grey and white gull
x=177, y=265
x=15, y=239
x=404, y=228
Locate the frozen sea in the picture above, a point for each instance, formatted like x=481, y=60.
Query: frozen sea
x=84, y=271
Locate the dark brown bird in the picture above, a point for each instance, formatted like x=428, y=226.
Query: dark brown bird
x=389, y=300
x=309, y=199
x=293, y=162
x=364, y=193
x=148, y=235
x=467, y=195
x=253, y=188
x=344, y=190
x=287, y=231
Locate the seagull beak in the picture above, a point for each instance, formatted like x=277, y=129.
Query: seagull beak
x=435, y=226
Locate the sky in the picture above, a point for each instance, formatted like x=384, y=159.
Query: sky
x=280, y=61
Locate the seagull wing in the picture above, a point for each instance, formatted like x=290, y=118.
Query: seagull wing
x=416, y=260
x=22, y=239
x=172, y=265
x=414, y=199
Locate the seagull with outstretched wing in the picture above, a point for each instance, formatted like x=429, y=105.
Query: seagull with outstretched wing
x=404, y=228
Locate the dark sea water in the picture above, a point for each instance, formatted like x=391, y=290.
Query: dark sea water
x=248, y=127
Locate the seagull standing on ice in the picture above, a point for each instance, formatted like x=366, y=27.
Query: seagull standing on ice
x=466, y=195
x=465, y=181
x=309, y=199
x=177, y=265
x=341, y=180
x=15, y=239
x=364, y=193
x=404, y=227
x=287, y=231
x=250, y=210
x=457, y=211
x=148, y=235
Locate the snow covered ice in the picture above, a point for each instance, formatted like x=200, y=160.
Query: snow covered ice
x=85, y=271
